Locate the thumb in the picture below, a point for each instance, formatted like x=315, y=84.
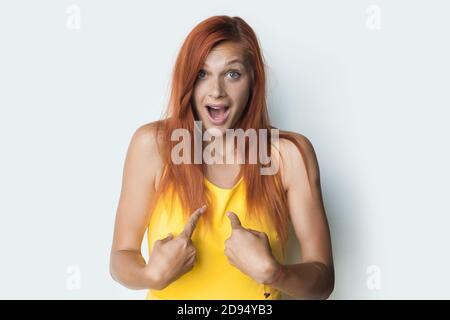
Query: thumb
x=255, y=232
x=259, y=234
x=169, y=237
x=234, y=219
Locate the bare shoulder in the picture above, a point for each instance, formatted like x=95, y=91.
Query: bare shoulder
x=298, y=158
x=148, y=134
x=295, y=145
x=145, y=149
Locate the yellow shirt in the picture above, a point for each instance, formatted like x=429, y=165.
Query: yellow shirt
x=212, y=277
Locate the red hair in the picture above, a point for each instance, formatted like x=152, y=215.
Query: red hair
x=265, y=193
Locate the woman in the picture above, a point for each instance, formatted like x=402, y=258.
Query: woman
x=218, y=230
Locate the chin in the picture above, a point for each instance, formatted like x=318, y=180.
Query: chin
x=215, y=130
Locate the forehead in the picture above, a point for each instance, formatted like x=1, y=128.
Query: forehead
x=225, y=54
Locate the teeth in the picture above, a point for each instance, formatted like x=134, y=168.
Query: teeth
x=217, y=107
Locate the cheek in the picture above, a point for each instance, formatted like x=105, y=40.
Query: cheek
x=240, y=97
x=197, y=100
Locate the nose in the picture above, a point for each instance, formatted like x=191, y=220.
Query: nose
x=217, y=89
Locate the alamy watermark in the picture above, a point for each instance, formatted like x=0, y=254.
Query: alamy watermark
x=73, y=280
x=373, y=21
x=373, y=281
x=234, y=147
x=73, y=21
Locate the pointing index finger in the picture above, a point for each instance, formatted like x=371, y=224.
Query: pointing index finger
x=192, y=222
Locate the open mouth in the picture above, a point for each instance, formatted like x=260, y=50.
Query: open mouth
x=218, y=114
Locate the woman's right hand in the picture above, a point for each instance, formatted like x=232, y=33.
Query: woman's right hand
x=172, y=257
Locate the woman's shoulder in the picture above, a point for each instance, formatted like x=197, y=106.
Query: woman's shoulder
x=150, y=132
x=150, y=136
x=291, y=142
x=297, y=155
x=147, y=142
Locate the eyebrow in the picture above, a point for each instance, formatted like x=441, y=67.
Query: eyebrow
x=231, y=62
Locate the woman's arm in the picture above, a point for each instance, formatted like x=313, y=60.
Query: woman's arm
x=314, y=277
x=127, y=266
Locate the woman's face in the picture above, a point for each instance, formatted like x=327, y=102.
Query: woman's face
x=221, y=91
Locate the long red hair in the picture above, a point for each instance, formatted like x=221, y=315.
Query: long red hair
x=265, y=193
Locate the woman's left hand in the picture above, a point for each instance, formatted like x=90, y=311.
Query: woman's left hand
x=249, y=251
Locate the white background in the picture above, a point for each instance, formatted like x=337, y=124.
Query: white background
x=373, y=101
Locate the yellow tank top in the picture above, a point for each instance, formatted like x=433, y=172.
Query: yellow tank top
x=212, y=277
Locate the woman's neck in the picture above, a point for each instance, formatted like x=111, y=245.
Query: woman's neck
x=221, y=149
